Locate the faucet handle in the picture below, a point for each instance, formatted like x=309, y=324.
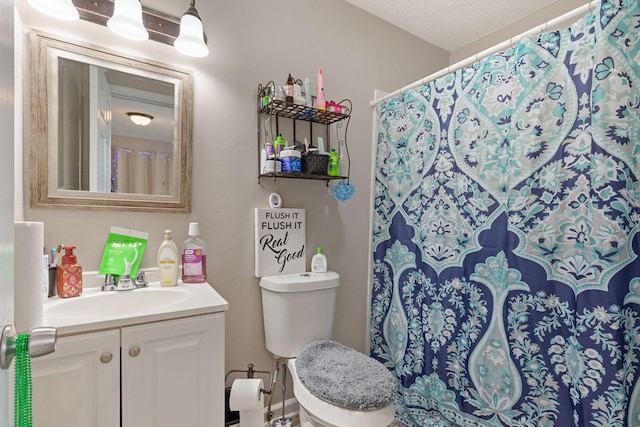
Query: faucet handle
x=140, y=281
x=124, y=283
x=109, y=283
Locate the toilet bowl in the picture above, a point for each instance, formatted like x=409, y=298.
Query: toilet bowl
x=316, y=412
x=298, y=309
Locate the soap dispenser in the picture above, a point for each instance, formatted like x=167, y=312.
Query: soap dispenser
x=69, y=275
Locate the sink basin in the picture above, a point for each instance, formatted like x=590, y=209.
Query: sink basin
x=96, y=310
x=116, y=303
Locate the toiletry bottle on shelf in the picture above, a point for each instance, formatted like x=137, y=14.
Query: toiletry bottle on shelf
x=319, y=262
x=168, y=261
x=288, y=89
x=268, y=146
x=279, y=145
x=194, y=257
x=334, y=163
x=320, y=99
x=69, y=275
x=308, y=99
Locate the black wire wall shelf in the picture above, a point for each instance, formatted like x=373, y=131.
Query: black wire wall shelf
x=301, y=112
x=277, y=109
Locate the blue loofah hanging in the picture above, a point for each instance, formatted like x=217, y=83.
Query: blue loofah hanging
x=343, y=190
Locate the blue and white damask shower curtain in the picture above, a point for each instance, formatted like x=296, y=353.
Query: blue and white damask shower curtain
x=506, y=270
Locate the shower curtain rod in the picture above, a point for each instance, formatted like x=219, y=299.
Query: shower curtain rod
x=501, y=46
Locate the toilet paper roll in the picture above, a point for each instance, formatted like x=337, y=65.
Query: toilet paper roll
x=247, y=398
x=28, y=251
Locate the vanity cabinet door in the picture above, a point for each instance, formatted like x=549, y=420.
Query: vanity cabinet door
x=173, y=373
x=79, y=384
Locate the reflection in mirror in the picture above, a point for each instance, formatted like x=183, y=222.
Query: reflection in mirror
x=86, y=149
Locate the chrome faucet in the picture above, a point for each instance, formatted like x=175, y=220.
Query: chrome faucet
x=124, y=282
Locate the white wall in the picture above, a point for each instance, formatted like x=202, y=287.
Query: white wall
x=505, y=30
x=252, y=42
x=7, y=126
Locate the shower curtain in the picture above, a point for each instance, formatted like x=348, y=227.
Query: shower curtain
x=506, y=277
x=141, y=172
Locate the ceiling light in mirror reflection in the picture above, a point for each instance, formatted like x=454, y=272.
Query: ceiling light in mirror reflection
x=140, y=119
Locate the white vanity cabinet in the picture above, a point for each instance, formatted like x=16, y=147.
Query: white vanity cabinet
x=173, y=373
x=160, y=374
x=78, y=384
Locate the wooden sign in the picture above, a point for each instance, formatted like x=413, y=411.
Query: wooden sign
x=280, y=241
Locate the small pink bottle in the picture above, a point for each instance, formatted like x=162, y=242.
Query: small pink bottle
x=194, y=257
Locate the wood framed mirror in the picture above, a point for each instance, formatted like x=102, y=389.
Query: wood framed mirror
x=86, y=152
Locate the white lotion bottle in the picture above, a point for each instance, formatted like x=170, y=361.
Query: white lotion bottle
x=319, y=262
x=168, y=261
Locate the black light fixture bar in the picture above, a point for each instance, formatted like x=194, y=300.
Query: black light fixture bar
x=162, y=28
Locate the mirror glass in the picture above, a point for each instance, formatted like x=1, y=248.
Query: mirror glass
x=87, y=151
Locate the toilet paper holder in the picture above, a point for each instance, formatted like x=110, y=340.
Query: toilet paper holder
x=250, y=372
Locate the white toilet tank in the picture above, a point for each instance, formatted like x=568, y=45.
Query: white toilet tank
x=298, y=309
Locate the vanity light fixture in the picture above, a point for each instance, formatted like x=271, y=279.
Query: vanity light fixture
x=140, y=119
x=59, y=9
x=130, y=19
x=127, y=20
x=191, y=40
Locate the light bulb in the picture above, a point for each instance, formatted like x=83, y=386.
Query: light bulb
x=59, y=9
x=190, y=41
x=127, y=20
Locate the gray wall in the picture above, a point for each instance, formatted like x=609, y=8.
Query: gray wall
x=252, y=42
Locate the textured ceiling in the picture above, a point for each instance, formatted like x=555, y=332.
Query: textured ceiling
x=451, y=24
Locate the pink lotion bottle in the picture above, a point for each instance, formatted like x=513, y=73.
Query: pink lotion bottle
x=194, y=257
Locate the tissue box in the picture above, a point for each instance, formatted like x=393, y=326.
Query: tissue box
x=315, y=163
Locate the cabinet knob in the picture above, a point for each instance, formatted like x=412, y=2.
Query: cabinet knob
x=134, y=351
x=106, y=357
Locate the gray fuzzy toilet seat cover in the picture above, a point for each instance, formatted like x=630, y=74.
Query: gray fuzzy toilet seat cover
x=344, y=376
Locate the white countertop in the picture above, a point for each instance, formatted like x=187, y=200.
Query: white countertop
x=96, y=310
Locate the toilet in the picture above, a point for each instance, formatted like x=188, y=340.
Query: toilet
x=298, y=310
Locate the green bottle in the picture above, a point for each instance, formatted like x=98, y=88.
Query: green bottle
x=334, y=163
x=279, y=144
